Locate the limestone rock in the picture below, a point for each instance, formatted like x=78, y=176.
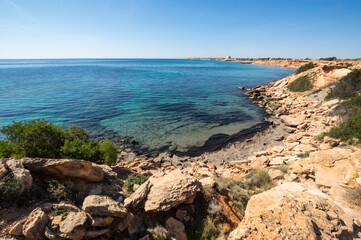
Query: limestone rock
x=24, y=176
x=72, y=227
x=102, y=221
x=103, y=206
x=33, y=228
x=96, y=233
x=125, y=222
x=65, y=168
x=176, y=229
x=163, y=191
x=293, y=211
x=329, y=142
x=292, y=121
x=330, y=167
x=275, y=174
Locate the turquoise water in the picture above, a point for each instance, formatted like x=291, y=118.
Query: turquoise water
x=157, y=102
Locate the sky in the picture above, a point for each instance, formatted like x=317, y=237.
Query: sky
x=179, y=28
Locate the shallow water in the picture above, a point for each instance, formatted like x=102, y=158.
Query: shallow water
x=157, y=102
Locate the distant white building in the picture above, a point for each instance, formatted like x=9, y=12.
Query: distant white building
x=228, y=58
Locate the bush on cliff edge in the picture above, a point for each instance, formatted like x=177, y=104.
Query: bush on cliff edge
x=305, y=67
x=347, y=87
x=301, y=84
x=40, y=138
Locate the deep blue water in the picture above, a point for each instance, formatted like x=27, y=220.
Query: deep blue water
x=157, y=102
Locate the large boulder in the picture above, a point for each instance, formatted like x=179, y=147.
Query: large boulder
x=65, y=169
x=163, y=191
x=293, y=211
x=331, y=167
x=72, y=227
x=3, y=168
x=20, y=173
x=293, y=121
x=33, y=228
x=103, y=206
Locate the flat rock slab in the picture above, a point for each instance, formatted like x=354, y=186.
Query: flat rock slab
x=293, y=121
x=103, y=206
x=293, y=211
x=163, y=191
x=65, y=168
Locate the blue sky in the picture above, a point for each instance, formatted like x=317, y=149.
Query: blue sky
x=179, y=28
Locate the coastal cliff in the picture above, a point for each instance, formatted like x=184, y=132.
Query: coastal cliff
x=288, y=181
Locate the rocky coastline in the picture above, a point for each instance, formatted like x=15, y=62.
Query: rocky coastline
x=305, y=195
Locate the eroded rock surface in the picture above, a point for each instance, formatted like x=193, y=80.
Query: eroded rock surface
x=103, y=206
x=65, y=168
x=163, y=191
x=293, y=211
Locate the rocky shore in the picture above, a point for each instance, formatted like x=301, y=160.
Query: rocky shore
x=279, y=183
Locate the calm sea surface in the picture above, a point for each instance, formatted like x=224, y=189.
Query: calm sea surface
x=157, y=102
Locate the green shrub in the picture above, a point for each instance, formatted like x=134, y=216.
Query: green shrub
x=35, y=138
x=109, y=152
x=240, y=197
x=40, y=138
x=258, y=178
x=301, y=84
x=137, y=179
x=57, y=192
x=8, y=150
x=9, y=189
x=58, y=212
x=347, y=130
x=79, y=149
x=305, y=67
x=347, y=87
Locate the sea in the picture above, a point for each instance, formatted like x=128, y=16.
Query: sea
x=157, y=104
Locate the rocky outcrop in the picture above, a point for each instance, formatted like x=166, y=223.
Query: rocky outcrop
x=20, y=173
x=33, y=228
x=329, y=168
x=65, y=168
x=72, y=227
x=103, y=206
x=163, y=191
x=293, y=211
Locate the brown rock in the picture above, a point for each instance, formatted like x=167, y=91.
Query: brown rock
x=72, y=227
x=65, y=168
x=163, y=191
x=293, y=211
x=103, y=206
x=182, y=215
x=176, y=229
x=102, y=221
x=329, y=143
x=275, y=174
x=22, y=174
x=33, y=228
x=3, y=169
x=17, y=229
